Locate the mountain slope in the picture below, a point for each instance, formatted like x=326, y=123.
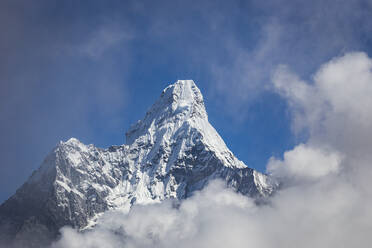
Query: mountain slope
x=171, y=153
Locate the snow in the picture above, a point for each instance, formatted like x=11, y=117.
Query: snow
x=263, y=183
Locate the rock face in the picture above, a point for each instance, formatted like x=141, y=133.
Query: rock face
x=171, y=153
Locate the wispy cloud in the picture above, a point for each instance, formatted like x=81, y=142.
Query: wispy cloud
x=248, y=74
x=102, y=39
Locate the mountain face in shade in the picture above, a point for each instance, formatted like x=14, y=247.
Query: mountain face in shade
x=171, y=153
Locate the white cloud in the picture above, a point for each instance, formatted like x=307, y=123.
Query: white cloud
x=325, y=214
x=95, y=42
x=345, y=82
x=103, y=39
x=336, y=107
x=305, y=162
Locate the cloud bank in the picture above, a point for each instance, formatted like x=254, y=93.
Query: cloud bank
x=325, y=200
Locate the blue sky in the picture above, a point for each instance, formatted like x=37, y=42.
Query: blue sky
x=89, y=69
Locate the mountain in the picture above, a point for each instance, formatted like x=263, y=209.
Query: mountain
x=172, y=152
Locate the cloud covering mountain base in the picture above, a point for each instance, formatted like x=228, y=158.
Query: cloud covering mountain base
x=325, y=199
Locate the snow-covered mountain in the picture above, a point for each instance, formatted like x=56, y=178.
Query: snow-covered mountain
x=171, y=153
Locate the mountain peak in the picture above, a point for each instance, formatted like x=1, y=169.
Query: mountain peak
x=172, y=153
x=71, y=142
x=184, y=97
x=177, y=103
